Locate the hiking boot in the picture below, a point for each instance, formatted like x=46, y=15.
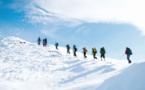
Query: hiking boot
x=129, y=61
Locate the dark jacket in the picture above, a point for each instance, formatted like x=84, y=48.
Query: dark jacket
x=67, y=46
x=102, y=50
x=39, y=40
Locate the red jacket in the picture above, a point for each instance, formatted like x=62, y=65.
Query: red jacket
x=126, y=51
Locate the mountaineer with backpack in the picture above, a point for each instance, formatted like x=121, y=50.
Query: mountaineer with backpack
x=74, y=50
x=128, y=52
x=56, y=45
x=39, y=40
x=94, y=51
x=45, y=42
x=68, y=48
x=102, y=51
x=85, y=51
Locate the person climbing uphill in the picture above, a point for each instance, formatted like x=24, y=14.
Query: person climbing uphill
x=44, y=43
x=103, y=52
x=94, y=51
x=68, y=48
x=74, y=50
x=39, y=40
x=56, y=45
x=128, y=52
x=85, y=51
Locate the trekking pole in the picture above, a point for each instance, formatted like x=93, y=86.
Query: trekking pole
x=121, y=56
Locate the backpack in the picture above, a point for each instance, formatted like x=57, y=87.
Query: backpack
x=129, y=51
x=94, y=50
x=75, y=49
x=102, y=51
x=85, y=49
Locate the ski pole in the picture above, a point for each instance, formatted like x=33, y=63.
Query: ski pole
x=121, y=56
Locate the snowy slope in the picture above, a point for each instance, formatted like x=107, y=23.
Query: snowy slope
x=131, y=78
x=27, y=66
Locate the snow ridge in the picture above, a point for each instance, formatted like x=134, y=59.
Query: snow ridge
x=27, y=66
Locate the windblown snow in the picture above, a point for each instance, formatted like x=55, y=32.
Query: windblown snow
x=27, y=66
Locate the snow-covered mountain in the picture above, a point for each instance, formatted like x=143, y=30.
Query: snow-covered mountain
x=27, y=66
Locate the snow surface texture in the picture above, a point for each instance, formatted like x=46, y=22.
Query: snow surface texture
x=27, y=66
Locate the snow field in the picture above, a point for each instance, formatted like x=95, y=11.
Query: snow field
x=27, y=66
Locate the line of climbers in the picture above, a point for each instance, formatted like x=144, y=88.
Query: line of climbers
x=128, y=51
x=44, y=41
x=94, y=52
